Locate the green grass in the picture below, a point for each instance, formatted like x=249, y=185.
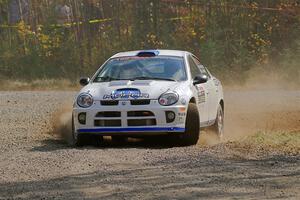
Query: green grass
x=276, y=139
x=268, y=143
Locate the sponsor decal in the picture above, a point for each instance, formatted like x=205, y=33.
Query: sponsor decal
x=181, y=114
x=180, y=120
x=126, y=93
x=201, y=94
x=181, y=117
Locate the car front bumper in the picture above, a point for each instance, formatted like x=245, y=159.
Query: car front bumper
x=97, y=121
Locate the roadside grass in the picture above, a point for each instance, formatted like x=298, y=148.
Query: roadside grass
x=277, y=139
x=40, y=84
x=267, y=143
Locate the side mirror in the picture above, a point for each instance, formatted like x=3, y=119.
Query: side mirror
x=84, y=81
x=200, y=79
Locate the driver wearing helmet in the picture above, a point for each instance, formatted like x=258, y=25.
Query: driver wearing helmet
x=129, y=71
x=173, y=69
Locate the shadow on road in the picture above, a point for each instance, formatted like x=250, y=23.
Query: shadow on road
x=158, y=142
x=189, y=178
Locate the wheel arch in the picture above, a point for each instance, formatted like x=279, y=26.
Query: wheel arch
x=193, y=100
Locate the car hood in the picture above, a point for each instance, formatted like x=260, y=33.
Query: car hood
x=153, y=88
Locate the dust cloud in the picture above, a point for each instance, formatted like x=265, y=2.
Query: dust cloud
x=265, y=102
x=62, y=122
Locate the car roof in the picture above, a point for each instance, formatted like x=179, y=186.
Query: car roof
x=159, y=52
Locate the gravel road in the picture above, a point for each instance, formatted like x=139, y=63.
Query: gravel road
x=36, y=164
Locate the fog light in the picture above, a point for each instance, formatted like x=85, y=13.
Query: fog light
x=170, y=116
x=82, y=118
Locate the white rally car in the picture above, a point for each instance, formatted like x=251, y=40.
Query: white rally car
x=149, y=92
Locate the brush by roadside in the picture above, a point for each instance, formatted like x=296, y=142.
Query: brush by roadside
x=261, y=144
x=39, y=84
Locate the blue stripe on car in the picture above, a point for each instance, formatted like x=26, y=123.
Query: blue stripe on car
x=139, y=129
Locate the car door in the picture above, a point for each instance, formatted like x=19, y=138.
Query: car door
x=212, y=97
x=201, y=91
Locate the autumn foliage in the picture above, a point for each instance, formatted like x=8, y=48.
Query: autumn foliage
x=68, y=39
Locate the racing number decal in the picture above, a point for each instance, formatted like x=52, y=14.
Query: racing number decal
x=201, y=94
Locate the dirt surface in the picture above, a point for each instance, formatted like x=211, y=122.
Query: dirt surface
x=36, y=164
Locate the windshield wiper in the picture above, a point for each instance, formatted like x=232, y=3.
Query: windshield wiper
x=152, y=78
x=108, y=78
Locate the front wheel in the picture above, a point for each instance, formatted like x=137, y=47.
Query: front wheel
x=192, y=127
x=79, y=140
x=75, y=139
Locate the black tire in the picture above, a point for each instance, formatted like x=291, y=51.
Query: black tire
x=192, y=127
x=218, y=127
x=75, y=140
x=80, y=140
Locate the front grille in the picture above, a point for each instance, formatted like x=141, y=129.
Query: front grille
x=141, y=122
x=133, y=118
x=140, y=102
x=109, y=103
x=139, y=113
x=108, y=114
x=106, y=123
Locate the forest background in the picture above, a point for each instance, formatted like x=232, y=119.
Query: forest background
x=64, y=39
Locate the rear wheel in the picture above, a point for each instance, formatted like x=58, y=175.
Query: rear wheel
x=192, y=127
x=218, y=127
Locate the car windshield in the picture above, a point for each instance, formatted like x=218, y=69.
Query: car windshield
x=166, y=68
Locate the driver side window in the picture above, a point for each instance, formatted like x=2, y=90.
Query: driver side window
x=204, y=71
x=193, y=67
x=201, y=67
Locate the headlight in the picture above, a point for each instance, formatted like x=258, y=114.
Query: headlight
x=168, y=99
x=85, y=100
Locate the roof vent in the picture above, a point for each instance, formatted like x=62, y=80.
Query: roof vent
x=150, y=53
